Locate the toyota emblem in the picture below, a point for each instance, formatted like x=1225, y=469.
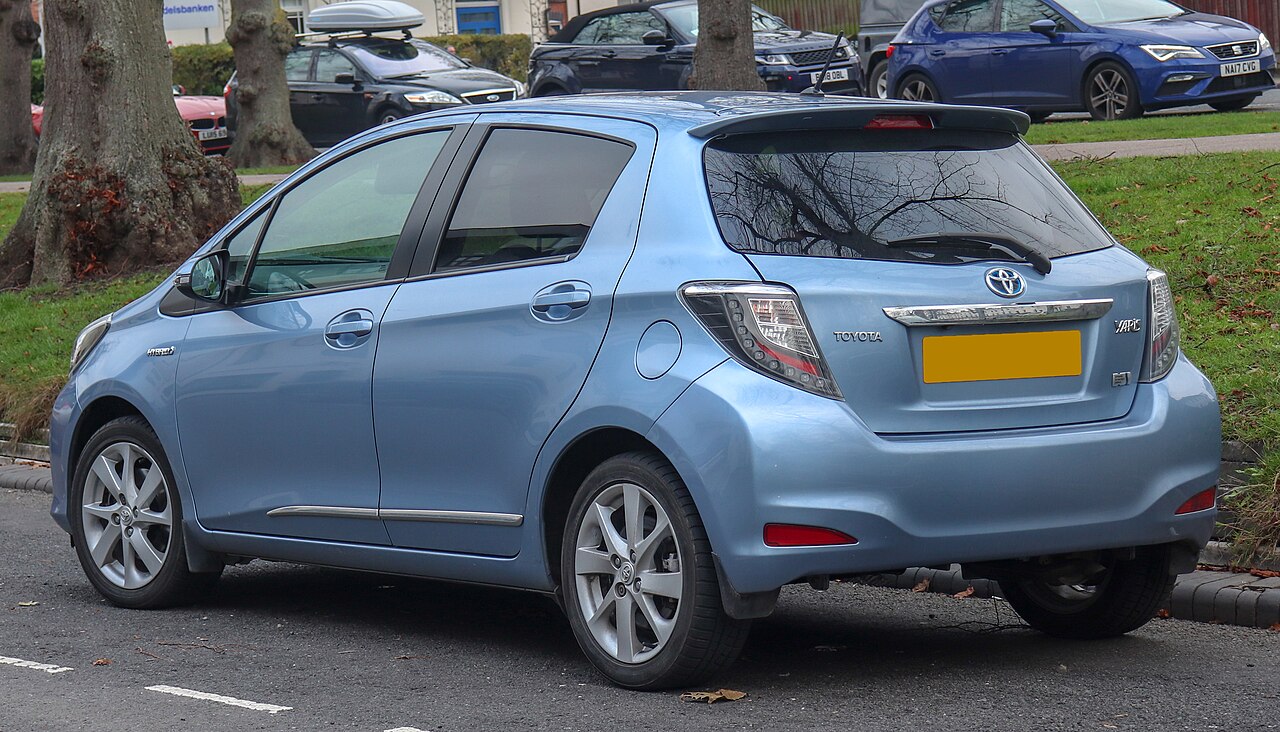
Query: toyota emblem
x=1005, y=282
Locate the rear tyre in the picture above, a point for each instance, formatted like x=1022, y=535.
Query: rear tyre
x=1232, y=105
x=126, y=518
x=551, y=90
x=1110, y=92
x=639, y=584
x=1122, y=597
x=1039, y=117
x=387, y=116
x=918, y=88
x=878, y=81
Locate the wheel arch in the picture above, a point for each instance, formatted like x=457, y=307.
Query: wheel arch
x=95, y=415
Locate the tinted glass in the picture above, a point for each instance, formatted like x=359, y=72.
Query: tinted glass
x=685, y=18
x=531, y=194
x=1018, y=15
x=297, y=65
x=627, y=29
x=852, y=194
x=394, y=58
x=341, y=225
x=1120, y=11
x=331, y=63
x=591, y=31
x=969, y=16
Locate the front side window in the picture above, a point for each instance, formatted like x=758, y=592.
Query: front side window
x=685, y=18
x=867, y=195
x=969, y=16
x=329, y=64
x=297, y=65
x=1018, y=15
x=340, y=226
x=531, y=194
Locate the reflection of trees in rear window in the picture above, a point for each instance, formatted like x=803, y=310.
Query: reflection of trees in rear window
x=851, y=195
x=969, y=16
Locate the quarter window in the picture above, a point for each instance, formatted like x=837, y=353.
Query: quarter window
x=531, y=194
x=340, y=226
x=969, y=16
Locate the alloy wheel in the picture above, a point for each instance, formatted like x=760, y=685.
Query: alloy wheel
x=628, y=573
x=882, y=86
x=1109, y=93
x=127, y=515
x=917, y=90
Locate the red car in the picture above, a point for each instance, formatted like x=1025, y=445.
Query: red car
x=206, y=117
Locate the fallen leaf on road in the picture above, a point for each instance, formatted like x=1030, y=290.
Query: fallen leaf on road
x=1276, y=627
x=1163, y=614
x=1264, y=573
x=923, y=586
x=711, y=697
x=28, y=603
x=966, y=592
x=102, y=662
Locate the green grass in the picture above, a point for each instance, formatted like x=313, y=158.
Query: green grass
x=1162, y=127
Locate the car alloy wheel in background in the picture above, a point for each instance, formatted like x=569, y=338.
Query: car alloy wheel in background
x=916, y=88
x=1110, y=93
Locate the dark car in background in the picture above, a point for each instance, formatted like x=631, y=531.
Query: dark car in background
x=880, y=22
x=1113, y=59
x=649, y=46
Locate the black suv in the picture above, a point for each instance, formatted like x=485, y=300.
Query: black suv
x=348, y=84
x=649, y=46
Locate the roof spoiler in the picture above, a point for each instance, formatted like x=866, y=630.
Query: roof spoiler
x=856, y=115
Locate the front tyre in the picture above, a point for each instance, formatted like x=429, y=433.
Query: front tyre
x=1232, y=105
x=126, y=518
x=1122, y=597
x=639, y=584
x=1111, y=92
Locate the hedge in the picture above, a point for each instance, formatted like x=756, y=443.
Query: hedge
x=37, y=81
x=506, y=54
x=203, y=69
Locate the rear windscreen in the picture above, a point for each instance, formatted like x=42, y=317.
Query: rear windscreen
x=860, y=194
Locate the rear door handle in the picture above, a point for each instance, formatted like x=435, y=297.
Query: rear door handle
x=937, y=52
x=999, y=51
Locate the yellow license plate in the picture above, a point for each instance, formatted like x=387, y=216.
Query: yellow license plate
x=998, y=356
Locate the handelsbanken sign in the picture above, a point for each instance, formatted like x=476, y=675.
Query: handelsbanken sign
x=183, y=14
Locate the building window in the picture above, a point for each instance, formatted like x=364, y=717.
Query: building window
x=482, y=19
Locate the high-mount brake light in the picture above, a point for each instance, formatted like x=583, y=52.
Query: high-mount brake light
x=900, y=122
x=764, y=328
x=798, y=535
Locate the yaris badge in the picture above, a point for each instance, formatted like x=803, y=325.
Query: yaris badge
x=1005, y=282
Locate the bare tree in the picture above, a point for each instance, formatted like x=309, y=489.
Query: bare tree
x=265, y=133
x=119, y=182
x=18, y=36
x=725, y=57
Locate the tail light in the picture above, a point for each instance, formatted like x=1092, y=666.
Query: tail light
x=226, y=90
x=888, y=52
x=1163, y=336
x=764, y=328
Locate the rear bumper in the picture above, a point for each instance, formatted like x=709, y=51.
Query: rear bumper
x=778, y=454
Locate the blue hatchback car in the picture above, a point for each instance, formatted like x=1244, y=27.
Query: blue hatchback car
x=1113, y=59
x=657, y=356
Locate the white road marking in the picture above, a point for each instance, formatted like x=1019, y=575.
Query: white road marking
x=46, y=667
x=189, y=693
x=404, y=729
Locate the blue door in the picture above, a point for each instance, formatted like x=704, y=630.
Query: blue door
x=485, y=20
x=959, y=59
x=1029, y=69
x=485, y=350
x=273, y=393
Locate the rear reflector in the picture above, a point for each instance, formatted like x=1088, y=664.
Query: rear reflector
x=795, y=535
x=900, y=122
x=1202, y=501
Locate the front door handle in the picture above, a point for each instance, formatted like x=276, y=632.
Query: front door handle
x=561, y=301
x=349, y=329
x=999, y=51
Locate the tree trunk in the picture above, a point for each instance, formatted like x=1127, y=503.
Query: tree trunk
x=119, y=182
x=725, y=57
x=18, y=36
x=265, y=133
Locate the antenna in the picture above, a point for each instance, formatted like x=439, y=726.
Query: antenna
x=816, y=89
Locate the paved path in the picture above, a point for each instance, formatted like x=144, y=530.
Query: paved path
x=1160, y=148
x=348, y=651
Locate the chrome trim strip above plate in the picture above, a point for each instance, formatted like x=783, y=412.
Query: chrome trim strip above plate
x=452, y=517
x=977, y=314
x=325, y=511
x=402, y=514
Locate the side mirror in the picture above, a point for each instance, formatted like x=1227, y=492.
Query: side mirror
x=1045, y=27
x=655, y=38
x=348, y=79
x=208, y=278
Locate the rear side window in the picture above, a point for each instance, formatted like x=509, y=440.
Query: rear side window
x=297, y=65
x=862, y=194
x=531, y=194
x=1017, y=16
x=969, y=16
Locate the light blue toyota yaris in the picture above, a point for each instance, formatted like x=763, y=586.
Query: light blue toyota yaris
x=658, y=355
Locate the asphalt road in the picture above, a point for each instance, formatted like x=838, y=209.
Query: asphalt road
x=1268, y=101
x=361, y=652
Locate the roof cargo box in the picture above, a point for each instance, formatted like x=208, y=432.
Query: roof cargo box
x=364, y=15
